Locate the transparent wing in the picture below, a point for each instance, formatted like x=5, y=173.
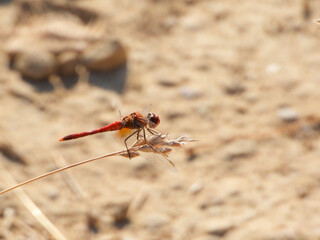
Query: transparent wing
x=146, y=110
x=157, y=155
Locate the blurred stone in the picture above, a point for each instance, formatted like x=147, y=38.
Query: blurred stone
x=8, y=213
x=156, y=221
x=107, y=237
x=97, y=222
x=195, y=188
x=67, y=62
x=52, y=192
x=104, y=55
x=169, y=22
x=168, y=82
x=273, y=68
x=219, y=10
x=208, y=238
x=128, y=238
x=4, y=60
x=171, y=114
x=287, y=114
x=93, y=222
x=193, y=22
x=288, y=233
x=218, y=228
x=35, y=65
x=251, y=97
x=239, y=149
x=189, y=93
x=31, y=7
x=140, y=164
x=119, y=210
x=203, y=110
x=233, y=87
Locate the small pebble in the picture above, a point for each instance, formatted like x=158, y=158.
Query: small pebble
x=52, y=192
x=239, y=149
x=189, y=93
x=119, y=210
x=36, y=65
x=207, y=238
x=169, y=22
x=193, y=23
x=273, y=68
x=233, y=87
x=195, y=188
x=139, y=164
x=289, y=233
x=203, y=110
x=168, y=82
x=68, y=62
x=107, y=237
x=128, y=238
x=155, y=221
x=287, y=114
x=8, y=212
x=218, y=228
x=104, y=56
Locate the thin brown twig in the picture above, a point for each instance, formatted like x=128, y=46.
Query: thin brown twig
x=60, y=170
x=70, y=180
x=158, y=143
x=31, y=206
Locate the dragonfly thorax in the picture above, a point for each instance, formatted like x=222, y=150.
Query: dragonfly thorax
x=134, y=121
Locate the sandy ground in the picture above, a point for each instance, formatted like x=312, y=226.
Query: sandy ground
x=242, y=77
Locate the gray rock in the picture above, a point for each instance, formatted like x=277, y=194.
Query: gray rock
x=119, y=210
x=189, y=93
x=104, y=56
x=283, y=234
x=287, y=114
x=218, y=228
x=273, y=68
x=68, y=62
x=239, y=149
x=233, y=87
x=195, y=188
x=156, y=221
x=36, y=65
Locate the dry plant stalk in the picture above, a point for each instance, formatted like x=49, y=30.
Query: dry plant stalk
x=32, y=207
x=159, y=144
x=70, y=180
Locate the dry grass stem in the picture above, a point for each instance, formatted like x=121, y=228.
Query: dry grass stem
x=30, y=205
x=70, y=180
x=158, y=144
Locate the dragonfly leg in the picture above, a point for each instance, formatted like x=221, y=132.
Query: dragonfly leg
x=138, y=133
x=144, y=135
x=125, y=141
x=145, y=139
x=153, y=132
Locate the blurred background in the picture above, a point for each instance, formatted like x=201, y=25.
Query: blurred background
x=240, y=77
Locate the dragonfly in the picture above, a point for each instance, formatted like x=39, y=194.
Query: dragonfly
x=135, y=121
x=131, y=125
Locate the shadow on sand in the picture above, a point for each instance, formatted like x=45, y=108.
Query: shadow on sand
x=113, y=80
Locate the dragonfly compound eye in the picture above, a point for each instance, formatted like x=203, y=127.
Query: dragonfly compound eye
x=154, y=120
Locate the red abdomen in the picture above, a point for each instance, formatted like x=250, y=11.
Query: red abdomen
x=111, y=127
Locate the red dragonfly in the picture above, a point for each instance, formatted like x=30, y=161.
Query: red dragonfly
x=133, y=123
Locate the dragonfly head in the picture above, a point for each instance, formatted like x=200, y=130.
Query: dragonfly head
x=154, y=120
